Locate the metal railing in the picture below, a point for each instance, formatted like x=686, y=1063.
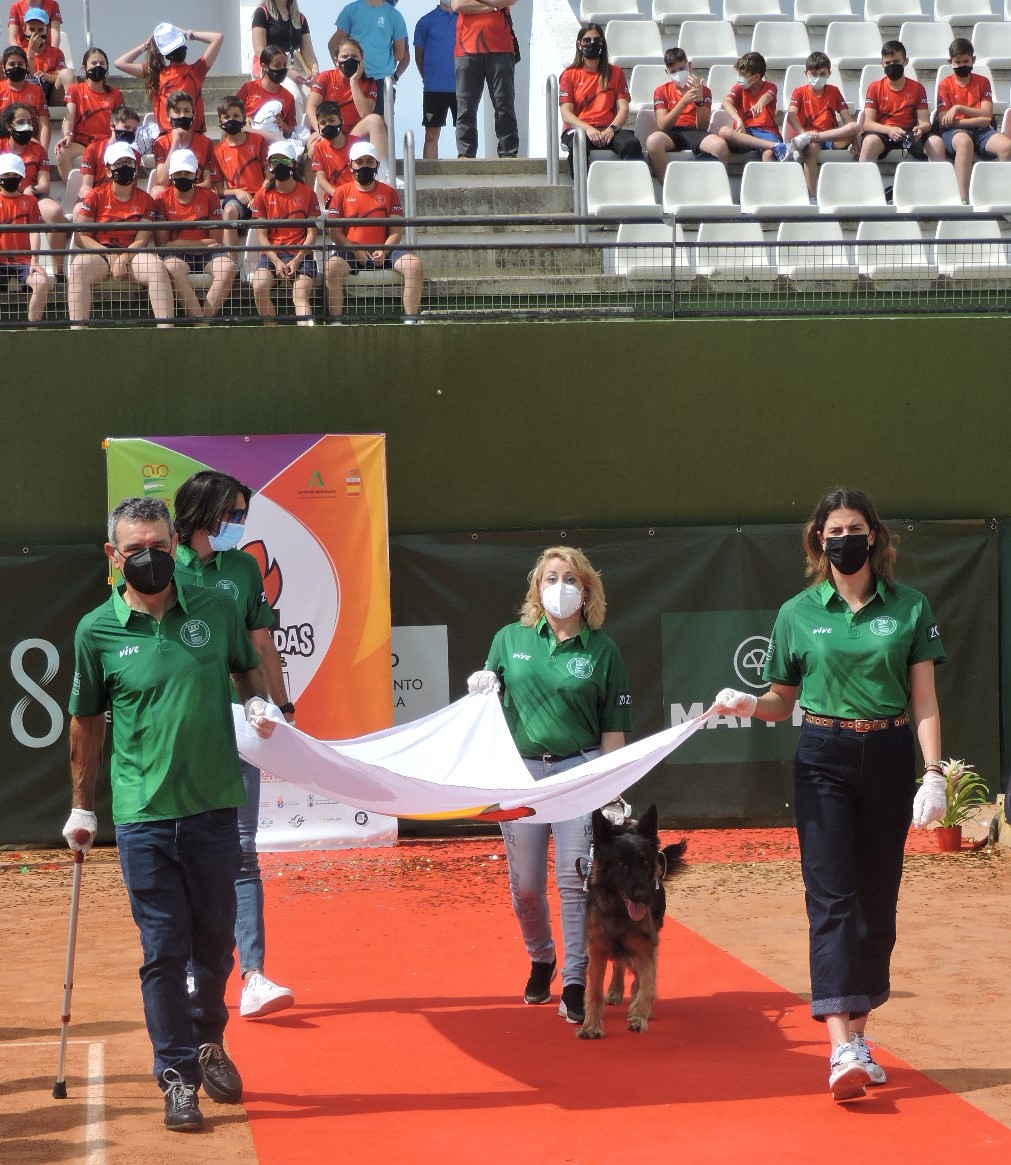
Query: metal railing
x=410, y=189
x=390, y=118
x=580, y=204
x=553, y=147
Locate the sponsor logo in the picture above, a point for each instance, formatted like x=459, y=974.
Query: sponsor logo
x=266, y=822
x=297, y=821
x=822, y=631
x=884, y=625
x=313, y=801
x=934, y=632
x=521, y=655
x=749, y=660
x=195, y=633
x=280, y=802
x=361, y=817
x=154, y=469
x=226, y=584
x=317, y=488
x=154, y=475
x=580, y=666
x=133, y=649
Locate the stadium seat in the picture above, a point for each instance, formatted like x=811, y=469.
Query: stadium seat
x=990, y=188
x=774, y=191
x=721, y=79
x=926, y=44
x=747, y=13
x=642, y=83
x=781, y=43
x=72, y=192
x=971, y=249
x=708, y=43
x=638, y=254
x=894, y=256
x=803, y=257
x=928, y=189
x=720, y=263
x=853, y=190
x=68, y=52
x=963, y=13
x=601, y=11
x=992, y=43
x=893, y=13
x=673, y=13
x=633, y=42
x=621, y=190
x=693, y=190
x=821, y=13
x=851, y=46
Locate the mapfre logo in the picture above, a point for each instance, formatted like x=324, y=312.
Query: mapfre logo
x=749, y=660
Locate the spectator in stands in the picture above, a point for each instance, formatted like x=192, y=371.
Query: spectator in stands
x=820, y=118
x=88, y=116
x=751, y=104
x=240, y=164
x=117, y=254
x=965, y=116
x=287, y=253
x=18, y=86
x=331, y=162
x=46, y=61
x=19, y=250
x=165, y=70
x=593, y=95
x=683, y=107
x=17, y=33
x=369, y=247
x=193, y=250
x=270, y=108
x=382, y=32
x=182, y=136
x=18, y=126
x=486, y=53
x=279, y=22
x=434, y=52
x=355, y=93
x=125, y=123
x=895, y=109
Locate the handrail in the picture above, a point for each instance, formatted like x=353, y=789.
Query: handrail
x=410, y=190
x=577, y=145
x=389, y=96
x=551, y=120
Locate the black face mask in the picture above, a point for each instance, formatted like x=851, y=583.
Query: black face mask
x=349, y=66
x=847, y=553
x=962, y=71
x=183, y=184
x=894, y=70
x=277, y=75
x=366, y=175
x=126, y=135
x=181, y=122
x=97, y=73
x=232, y=125
x=177, y=56
x=16, y=73
x=11, y=183
x=124, y=175
x=21, y=136
x=149, y=571
x=330, y=131
x=282, y=171
x=592, y=51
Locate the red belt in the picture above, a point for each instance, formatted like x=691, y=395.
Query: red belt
x=859, y=725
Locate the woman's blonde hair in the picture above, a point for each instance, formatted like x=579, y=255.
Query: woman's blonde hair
x=882, y=555
x=594, y=603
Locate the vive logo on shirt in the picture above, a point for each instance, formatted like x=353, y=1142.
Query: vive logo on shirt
x=521, y=655
x=132, y=650
x=195, y=633
x=580, y=666
x=884, y=625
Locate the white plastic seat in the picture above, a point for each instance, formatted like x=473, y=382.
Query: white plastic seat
x=992, y=43
x=927, y=189
x=971, y=249
x=882, y=257
x=644, y=252
x=781, y=43
x=621, y=189
x=72, y=192
x=747, y=13
x=821, y=13
x=990, y=188
x=672, y=13
x=804, y=258
x=601, y=11
x=707, y=43
x=769, y=190
x=926, y=44
x=633, y=42
x=851, y=46
x=871, y=73
x=852, y=190
x=963, y=13
x=694, y=190
x=721, y=79
x=720, y=263
x=892, y=13
x=642, y=83
x=68, y=52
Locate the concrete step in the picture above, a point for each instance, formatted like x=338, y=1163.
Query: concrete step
x=467, y=201
x=481, y=167
x=541, y=259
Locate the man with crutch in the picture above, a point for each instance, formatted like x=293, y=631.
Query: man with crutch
x=157, y=655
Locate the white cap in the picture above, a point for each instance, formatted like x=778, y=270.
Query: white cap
x=119, y=152
x=12, y=164
x=183, y=160
x=268, y=112
x=168, y=38
x=363, y=150
x=284, y=148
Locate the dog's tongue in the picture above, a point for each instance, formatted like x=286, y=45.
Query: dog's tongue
x=636, y=910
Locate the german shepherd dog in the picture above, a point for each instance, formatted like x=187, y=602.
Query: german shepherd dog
x=624, y=913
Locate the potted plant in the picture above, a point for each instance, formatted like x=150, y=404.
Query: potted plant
x=966, y=791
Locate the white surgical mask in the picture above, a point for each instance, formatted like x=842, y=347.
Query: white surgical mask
x=817, y=83
x=744, y=82
x=681, y=77
x=561, y=599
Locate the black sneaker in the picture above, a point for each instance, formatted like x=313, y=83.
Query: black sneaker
x=538, y=988
x=182, y=1113
x=572, y=1007
x=222, y=1081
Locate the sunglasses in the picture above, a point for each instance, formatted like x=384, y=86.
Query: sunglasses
x=592, y=40
x=238, y=516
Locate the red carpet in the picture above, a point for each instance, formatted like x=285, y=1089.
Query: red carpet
x=408, y=1042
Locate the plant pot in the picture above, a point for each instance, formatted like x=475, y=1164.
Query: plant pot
x=949, y=837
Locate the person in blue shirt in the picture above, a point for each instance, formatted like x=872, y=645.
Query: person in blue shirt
x=434, y=49
x=382, y=32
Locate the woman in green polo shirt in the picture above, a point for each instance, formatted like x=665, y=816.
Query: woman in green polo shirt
x=565, y=697
x=858, y=650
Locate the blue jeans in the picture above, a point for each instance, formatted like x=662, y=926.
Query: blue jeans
x=250, y=935
x=526, y=845
x=180, y=877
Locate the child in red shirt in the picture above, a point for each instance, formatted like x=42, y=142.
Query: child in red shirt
x=19, y=249
x=88, y=117
x=331, y=162
x=268, y=91
x=752, y=105
x=895, y=109
x=17, y=125
x=17, y=85
x=683, y=107
x=165, y=70
x=240, y=164
x=820, y=118
x=181, y=136
x=46, y=61
x=17, y=33
x=355, y=95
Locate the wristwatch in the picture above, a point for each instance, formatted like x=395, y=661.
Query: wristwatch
x=288, y=709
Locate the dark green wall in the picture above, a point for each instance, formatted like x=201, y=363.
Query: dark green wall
x=558, y=425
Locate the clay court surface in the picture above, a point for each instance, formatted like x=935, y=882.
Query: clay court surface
x=409, y=1041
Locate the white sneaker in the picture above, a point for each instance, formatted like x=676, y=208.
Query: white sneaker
x=874, y=1070
x=261, y=997
x=801, y=141
x=847, y=1076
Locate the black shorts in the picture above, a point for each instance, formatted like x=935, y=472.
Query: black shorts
x=914, y=151
x=351, y=259
x=435, y=106
x=686, y=139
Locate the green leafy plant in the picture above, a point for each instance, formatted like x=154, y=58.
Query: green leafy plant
x=966, y=791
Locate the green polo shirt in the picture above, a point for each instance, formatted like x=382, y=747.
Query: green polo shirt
x=560, y=697
x=852, y=665
x=167, y=684
x=235, y=573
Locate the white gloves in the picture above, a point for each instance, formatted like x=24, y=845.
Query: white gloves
x=484, y=683
x=731, y=703
x=81, y=821
x=931, y=799
x=261, y=716
x=617, y=811
x=801, y=141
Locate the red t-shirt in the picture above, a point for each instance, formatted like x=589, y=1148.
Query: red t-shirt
x=205, y=204
x=47, y=60
x=187, y=79
x=35, y=159
x=92, y=112
x=200, y=144
x=743, y=101
x=101, y=205
x=581, y=89
x=665, y=97
x=241, y=167
x=253, y=96
x=895, y=107
x=973, y=94
x=332, y=162
x=93, y=160
x=483, y=32
x=817, y=111
x=350, y=201
x=334, y=86
x=20, y=7
x=17, y=209
x=30, y=94
x=298, y=203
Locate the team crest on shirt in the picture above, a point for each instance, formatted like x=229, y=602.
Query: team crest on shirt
x=885, y=625
x=195, y=633
x=226, y=584
x=580, y=666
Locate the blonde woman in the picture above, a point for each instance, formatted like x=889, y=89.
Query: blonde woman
x=566, y=699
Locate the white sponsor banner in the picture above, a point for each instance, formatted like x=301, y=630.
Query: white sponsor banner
x=420, y=671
